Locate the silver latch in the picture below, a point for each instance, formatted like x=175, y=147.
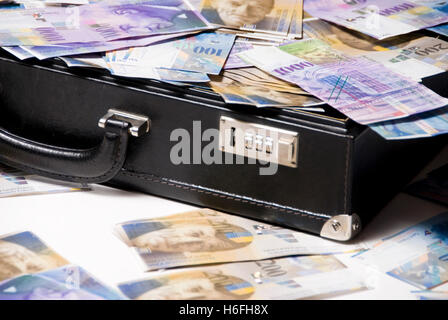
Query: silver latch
x=259, y=142
x=140, y=124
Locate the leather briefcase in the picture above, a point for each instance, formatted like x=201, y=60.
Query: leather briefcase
x=316, y=172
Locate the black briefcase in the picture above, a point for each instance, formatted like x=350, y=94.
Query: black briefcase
x=316, y=172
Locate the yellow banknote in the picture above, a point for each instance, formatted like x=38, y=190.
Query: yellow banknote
x=285, y=278
x=186, y=240
x=24, y=253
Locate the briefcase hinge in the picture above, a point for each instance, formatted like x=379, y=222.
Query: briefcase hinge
x=140, y=124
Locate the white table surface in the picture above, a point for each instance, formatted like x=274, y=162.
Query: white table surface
x=79, y=227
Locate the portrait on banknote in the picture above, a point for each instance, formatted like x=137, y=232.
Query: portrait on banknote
x=255, y=15
x=190, y=285
x=24, y=253
x=202, y=235
x=138, y=19
x=350, y=41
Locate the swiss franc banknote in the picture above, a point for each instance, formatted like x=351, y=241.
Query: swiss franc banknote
x=18, y=52
x=259, y=95
x=377, y=18
x=429, y=50
x=406, y=66
x=314, y=51
x=164, y=74
x=417, y=255
x=96, y=22
x=443, y=29
x=296, y=26
x=205, y=53
x=207, y=236
x=233, y=60
x=362, y=89
x=69, y=49
x=17, y=183
x=85, y=61
x=308, y=277
x=431, y=295
x=24, y=253
x=256, y=77
x=349, y=41
x=66, y=283
x=258, y=15
x=428, y=124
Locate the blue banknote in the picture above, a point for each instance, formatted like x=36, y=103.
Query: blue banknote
x=423, y=125
x=417, y=255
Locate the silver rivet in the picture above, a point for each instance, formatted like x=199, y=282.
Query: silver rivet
x=336, y=225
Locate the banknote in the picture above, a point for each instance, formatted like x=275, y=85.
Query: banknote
x=270, y=16
x=18, y=52
x=423, y=125
x=435, y=4
x=314, y=51
x=399, y=53
x=233, y=61
x=352, y=42
x=442, y=29
x=417, y=255
x=205, y=53
x=430, y=50
x=164, y=74
x=85, y=61
x=24, y=253
x=254, y=76
x=296, y=26
x=77, y=2
x=431, y=295
x=207, y=236
x=66, y=283
x=380, y=19
x=68, y=49
x=100, y=22
x=307, y=277
x=260, y=96
x=364, y=90
x=17, y=183
x=405, y=65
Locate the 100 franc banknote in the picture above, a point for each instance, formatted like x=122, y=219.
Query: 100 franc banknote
x=308, y=277
x=205, y=53
x=206, y=236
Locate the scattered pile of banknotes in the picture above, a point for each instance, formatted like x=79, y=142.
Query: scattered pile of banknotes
x=365, y=59
x=209, y=255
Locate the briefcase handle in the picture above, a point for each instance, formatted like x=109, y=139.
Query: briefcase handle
x=94, y=165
